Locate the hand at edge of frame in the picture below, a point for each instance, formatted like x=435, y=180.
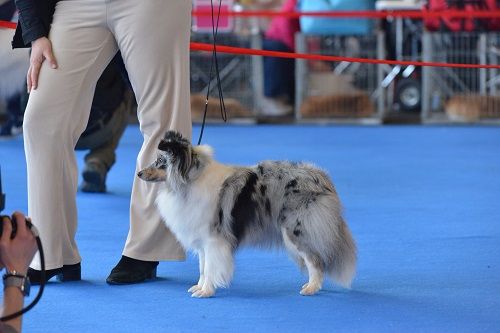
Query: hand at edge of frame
x=16, y=254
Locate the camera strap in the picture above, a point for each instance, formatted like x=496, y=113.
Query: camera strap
x=42, y=278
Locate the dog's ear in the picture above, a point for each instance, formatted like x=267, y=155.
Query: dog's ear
x=163, y=145
x=173, y=136
x=170, y=138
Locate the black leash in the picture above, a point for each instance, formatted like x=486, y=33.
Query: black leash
x=215, y=28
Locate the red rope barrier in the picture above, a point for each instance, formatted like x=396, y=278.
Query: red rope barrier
x=247, y=51
x=415, y=14
x=7, y=24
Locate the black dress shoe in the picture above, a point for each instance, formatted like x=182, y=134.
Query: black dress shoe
x=94, y=178
x=63, y=274
x=129, y=270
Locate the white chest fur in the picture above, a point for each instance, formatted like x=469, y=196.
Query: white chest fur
x=189, y=214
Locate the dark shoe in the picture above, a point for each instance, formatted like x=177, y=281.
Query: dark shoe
x=63, y=274
x=94, y=178
x=129, y=270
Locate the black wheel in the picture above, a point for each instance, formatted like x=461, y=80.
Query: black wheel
x=409, y=94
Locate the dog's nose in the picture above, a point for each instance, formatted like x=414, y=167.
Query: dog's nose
x=139, y=174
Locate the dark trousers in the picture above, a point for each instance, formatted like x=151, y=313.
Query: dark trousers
x=279, y=73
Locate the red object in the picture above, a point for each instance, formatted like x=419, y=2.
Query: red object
x=246, y=51
x=462, y=24
x=8, y=25
x=282, y=28
x=204, y=23
x=373, y=14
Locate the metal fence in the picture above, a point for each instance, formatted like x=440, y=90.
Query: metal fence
x=493, y=57
x=355, y=92
x=461, y=94
x=341, y=90
x=237, y=75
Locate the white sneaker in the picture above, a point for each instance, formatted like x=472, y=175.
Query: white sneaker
x=274, y=107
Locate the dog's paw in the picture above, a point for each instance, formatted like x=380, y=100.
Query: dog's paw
x=194, y=288
x=310, y=289
x=203, y=293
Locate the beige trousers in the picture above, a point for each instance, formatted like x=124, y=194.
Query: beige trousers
x=153, y=36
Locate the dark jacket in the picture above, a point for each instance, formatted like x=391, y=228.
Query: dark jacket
x=35, y=17
x=7, y=10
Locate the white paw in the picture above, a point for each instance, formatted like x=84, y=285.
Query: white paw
x=310, y=289
x=194, y=288
x=203, y=293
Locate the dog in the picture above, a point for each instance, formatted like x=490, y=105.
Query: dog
x=213, y=209
x=472, y=108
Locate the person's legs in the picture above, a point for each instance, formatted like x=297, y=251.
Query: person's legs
x=102, y=155
x=279, y=81
x=108, y=120
x=104, y=152
x=153, y=37
x=56, y=115
x=278, y=72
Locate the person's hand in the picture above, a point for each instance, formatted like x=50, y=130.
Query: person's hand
x=16, y=254
x=41, y=49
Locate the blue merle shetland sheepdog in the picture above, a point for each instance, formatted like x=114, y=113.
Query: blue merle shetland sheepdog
x=214, y=208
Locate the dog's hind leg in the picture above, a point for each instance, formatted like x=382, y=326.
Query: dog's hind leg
x=292, y=250
x=201, y=281
x=218, y=268
x=305, y=258
x=315, y=275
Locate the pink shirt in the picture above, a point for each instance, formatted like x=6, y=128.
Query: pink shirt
x=283, y=29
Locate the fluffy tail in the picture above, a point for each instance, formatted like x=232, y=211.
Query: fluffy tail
x=343, y=266
x=330, y=238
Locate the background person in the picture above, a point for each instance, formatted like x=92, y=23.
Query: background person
x=279, y=73
x=111, y=107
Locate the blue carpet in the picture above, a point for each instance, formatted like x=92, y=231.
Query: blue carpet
x=423, y=204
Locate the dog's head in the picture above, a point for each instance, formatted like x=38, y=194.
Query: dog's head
x=177, y=161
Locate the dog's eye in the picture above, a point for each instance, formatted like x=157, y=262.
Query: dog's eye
x=160, y=160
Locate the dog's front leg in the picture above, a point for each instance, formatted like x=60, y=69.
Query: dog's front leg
x=218, y=268
x=201, y=281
